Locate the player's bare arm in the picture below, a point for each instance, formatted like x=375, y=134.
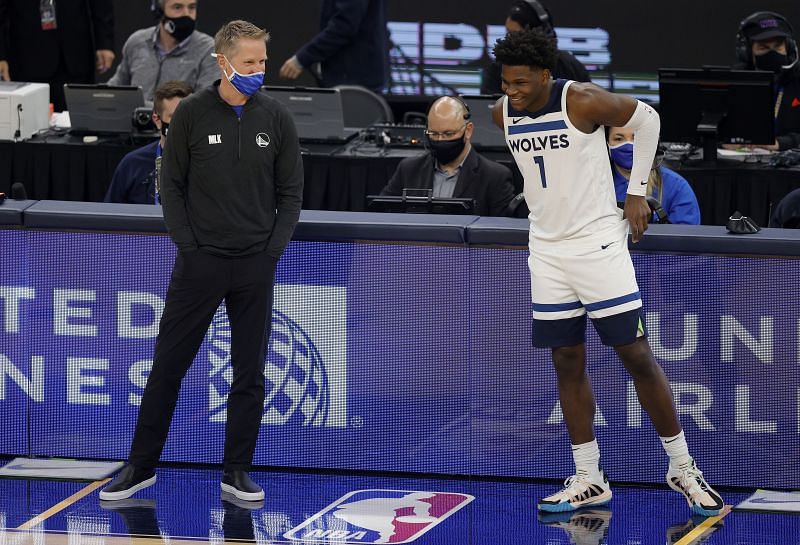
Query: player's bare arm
x=497, y=113
x=589, y=107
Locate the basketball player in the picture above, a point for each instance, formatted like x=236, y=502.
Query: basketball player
x=579, y=258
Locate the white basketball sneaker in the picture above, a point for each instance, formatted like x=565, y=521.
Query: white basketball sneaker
x=579, y=491
x=689, y=481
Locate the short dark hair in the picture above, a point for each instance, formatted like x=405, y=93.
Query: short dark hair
x=527, y=48
x=168, y=90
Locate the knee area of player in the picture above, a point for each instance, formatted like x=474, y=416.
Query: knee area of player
x=638, y=358
x=569, y=360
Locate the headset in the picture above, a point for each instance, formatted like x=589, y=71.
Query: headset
x=156, y=9
x=468, y=112
x=543, y=14
x=744, y=53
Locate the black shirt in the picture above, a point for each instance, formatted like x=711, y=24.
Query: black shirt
x=231, y=186
x=787, y=125
x=567, y=67
x=352, y=46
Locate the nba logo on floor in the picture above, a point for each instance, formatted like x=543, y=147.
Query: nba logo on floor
x=379, y=516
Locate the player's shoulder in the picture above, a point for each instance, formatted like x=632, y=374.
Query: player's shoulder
x=583, y=92
x=583, y=101
x=497, y=111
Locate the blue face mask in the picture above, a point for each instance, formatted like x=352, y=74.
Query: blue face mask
x=622, y=155
x=247, y=85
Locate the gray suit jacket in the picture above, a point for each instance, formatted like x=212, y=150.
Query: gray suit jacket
x=486, y=181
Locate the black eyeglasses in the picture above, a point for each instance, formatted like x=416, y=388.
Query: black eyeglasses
x=444, y=135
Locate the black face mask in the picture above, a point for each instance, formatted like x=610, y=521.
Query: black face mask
x=164, y=128
x=772, y=61
x=446, y=151
x=179, y=28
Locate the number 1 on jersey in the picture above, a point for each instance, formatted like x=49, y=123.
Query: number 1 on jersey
x=539, y=160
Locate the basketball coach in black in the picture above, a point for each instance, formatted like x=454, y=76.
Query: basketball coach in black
x=231, y=186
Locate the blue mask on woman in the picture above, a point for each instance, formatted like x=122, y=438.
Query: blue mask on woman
x=247, y=85
x=622, y=155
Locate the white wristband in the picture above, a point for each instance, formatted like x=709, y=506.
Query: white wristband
x=646, y=125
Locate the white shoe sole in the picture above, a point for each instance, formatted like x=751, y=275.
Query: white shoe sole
x=246, y=496
x=125, y=494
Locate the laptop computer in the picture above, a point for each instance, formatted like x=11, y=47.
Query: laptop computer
x=487, y=135
x=318, y=113
x=420, y=205
x=102, y=109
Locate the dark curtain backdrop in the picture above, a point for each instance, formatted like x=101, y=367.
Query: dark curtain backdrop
x=644, y=34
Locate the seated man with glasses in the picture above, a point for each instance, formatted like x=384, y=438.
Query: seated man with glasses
x=451, y=168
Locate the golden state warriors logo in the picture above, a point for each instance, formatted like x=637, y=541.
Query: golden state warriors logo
x=262, y=140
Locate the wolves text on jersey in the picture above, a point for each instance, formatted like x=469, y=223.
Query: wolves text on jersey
x=539, y=143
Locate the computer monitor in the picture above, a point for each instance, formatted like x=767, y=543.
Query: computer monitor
x=716, y=106
x=102, y=109
x=317, y=113
x=420, y=205
x=486, y=135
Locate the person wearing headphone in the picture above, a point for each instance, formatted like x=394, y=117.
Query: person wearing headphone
x=452, y=168
x=765, y=41
x=670, y=189
x=524, y=15
x=172, y=50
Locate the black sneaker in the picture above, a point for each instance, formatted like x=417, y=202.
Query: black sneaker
x=239, y=484
x=127, y=483
x=139, y=515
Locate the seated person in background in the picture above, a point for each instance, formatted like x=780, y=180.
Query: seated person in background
x=452, y=168
x=787, y=214
x=524, y=15
x=134, y=180
x=765, y=41
x=666, y=186
x=170, y=51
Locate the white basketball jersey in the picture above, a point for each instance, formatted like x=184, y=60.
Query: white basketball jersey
x=568, y=187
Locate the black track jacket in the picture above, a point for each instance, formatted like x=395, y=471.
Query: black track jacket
x=231, y=186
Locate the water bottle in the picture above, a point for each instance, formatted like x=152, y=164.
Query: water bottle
x=47, y=10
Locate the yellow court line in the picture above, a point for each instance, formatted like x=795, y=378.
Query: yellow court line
x=60, y=506
x=703, y=527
